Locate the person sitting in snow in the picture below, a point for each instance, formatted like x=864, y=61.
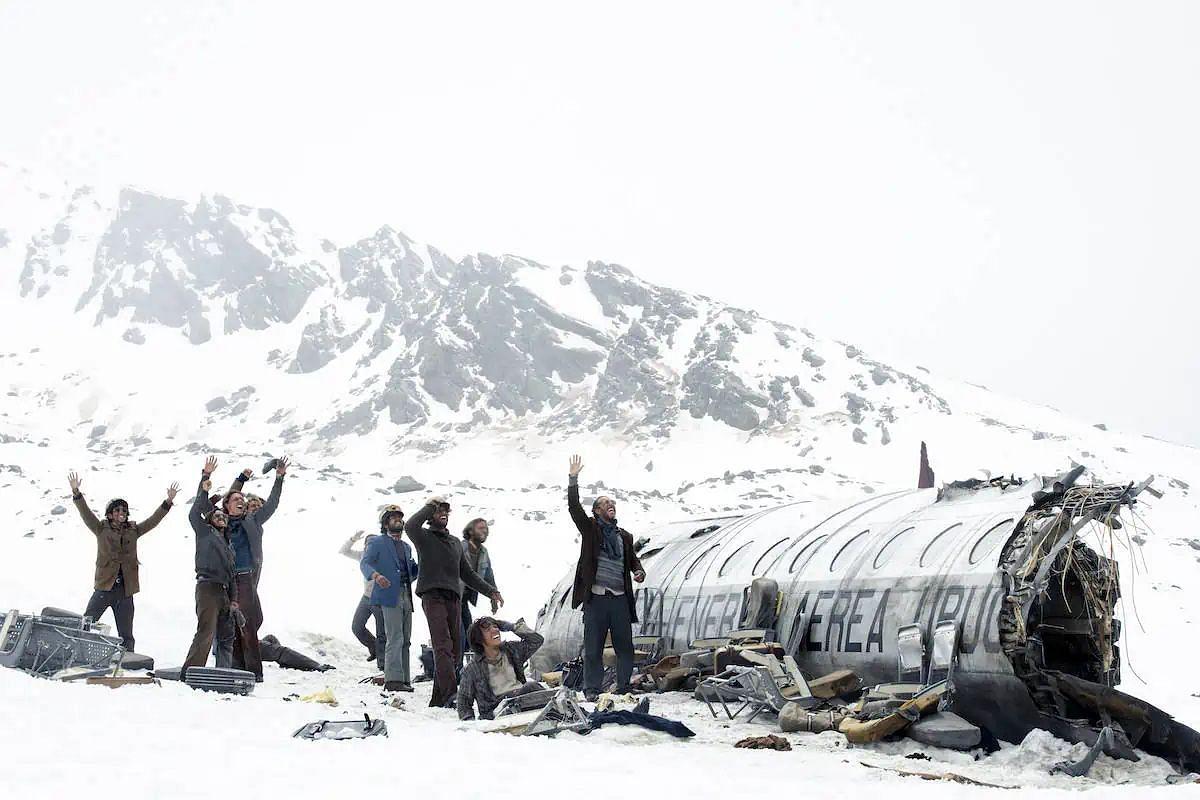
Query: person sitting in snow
x=603, y=587
x=498, y=671
x=116, y=577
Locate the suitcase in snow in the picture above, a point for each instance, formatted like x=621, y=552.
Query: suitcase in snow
x=213, y=679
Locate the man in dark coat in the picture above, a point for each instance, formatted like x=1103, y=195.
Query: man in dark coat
x=603, y=585
x=498, y=670
x=116, y=578
x=444, y=571
x=216, y=590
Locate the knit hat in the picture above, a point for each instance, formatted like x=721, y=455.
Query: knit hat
x=116, y=502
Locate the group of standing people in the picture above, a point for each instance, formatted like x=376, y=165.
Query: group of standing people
x=228, y=561
x=448, y=574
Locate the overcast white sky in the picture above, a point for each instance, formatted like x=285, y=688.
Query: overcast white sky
x=1008, y=193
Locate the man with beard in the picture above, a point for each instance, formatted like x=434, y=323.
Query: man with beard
x=602, y=585
x=474, y=535
x=238, y=645
x=216, y=590
x=388, y=563
x=116, y=577
x=444, y=570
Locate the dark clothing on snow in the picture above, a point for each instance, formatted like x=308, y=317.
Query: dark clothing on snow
x=648, y=721
x=443, y=613
x=214, y=555
x=122, y=608
x=443, y=563
x=601, y=614
x=590, y=538
x=476, y=689
x=211, y=600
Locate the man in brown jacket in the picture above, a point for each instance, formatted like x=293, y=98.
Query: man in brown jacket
x=603, y=585
x=116, y=580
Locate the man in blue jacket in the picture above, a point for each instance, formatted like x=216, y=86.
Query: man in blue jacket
x=389, y=564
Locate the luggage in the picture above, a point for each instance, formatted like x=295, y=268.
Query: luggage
x=342, y=729
x=213, y=679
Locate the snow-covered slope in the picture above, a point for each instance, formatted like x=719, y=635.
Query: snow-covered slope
x=142, y=332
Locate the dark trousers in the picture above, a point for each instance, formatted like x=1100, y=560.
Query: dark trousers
x=462, y=637
x=211, y=600
x=602, y=614
x=246, y=653
x=122, y=608
x=377, y=644
x=443, y=612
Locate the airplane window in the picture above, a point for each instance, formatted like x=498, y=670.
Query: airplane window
x=725, y=566
x=990, y=540
x=849, y=550
x=937, y=548
x=763, y=557
x=808, y=549
x=701, y=557
x=704, y=531
x=651, y=552
x=889, y=548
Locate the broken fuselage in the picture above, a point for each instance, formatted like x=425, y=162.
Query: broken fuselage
x=1006, y=560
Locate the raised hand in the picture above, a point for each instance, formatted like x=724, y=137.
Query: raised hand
x=281, y=466
x=73, y=479
x=210, y=465
x=247, y=474
x=576, y=466
x=172, y=490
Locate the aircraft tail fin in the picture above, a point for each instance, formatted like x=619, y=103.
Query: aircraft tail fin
x=925, y=476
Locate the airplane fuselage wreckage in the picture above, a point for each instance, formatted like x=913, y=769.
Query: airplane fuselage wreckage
x=996, y=575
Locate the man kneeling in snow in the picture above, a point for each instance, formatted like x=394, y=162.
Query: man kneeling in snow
x=498, y=671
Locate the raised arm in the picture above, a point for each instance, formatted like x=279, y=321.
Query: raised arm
x=92, y=522
x=531, y=640
x=151, y=522
x=350, y=551
x=416, y=523
x=201, y=503
x=578, y=515
x=272, y=502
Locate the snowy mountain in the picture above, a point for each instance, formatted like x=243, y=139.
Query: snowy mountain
x=141, y=332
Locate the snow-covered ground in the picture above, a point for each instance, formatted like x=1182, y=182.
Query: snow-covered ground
x=131, y=404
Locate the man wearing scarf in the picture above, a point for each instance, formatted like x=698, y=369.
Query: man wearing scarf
x=603, y=586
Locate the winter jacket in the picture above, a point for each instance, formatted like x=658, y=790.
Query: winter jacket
x=214, y=553
x=484, y=570
x=443, y=563
x=589, y=545
x=252, y=523
x=474, y=687
x=380, y=556
x=116, y=546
